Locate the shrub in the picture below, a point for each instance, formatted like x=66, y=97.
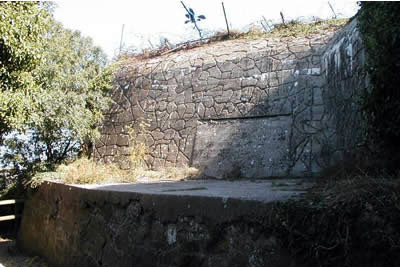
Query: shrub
x=380, y=27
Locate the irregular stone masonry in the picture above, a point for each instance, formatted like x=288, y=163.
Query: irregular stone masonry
x=243, y=108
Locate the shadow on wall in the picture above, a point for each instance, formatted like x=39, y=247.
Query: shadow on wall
x=299, y=116
x=251, y=109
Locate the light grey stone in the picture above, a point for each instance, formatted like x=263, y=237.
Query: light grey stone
x=288, y=96
x=215, y=72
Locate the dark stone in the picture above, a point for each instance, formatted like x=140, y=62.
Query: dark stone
x=111, y=228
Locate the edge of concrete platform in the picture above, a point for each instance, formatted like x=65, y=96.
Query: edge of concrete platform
x=87, y=227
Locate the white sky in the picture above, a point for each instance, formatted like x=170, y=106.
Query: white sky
x=149, y=19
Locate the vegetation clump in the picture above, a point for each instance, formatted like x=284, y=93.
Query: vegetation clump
x=380, y=30
x=54, y=87
x=87, y=171
x=351, y=221
x=130, y=166
x=289, y=29
x=293, y=29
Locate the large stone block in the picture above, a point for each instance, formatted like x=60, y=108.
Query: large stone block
x=246, y=148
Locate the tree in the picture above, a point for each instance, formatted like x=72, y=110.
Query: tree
x=71, y=80
x=71, y=91
x=23, y=28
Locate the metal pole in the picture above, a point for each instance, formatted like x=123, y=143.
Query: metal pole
x=334, y=13
x=226, y=20
x=122, y=36
x=283, y=18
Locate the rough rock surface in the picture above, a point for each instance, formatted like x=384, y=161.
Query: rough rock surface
x=240, y=108
x=152, y=225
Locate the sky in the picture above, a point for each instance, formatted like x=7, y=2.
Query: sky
x=146, y=21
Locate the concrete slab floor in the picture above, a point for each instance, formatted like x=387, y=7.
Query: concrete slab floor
x=259, y=190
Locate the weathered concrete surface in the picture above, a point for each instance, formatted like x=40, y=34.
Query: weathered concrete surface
x=257, y=147
x=206, y=105
x=196, y=223
x=259, y=190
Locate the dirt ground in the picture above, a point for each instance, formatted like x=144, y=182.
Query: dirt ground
x=11, y=257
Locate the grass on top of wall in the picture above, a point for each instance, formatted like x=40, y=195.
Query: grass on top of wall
x=295, y=29
x=292, y=28
x=86, y=171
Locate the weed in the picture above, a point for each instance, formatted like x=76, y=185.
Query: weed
x=137, y=149
x=171, y=173
x=85, y=171
x=289, y=29
x=293, y=29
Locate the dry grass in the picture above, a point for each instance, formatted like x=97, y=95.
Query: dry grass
x=289, y=29
x=137, y=148
x=339, y=218
x=298, y=29
x=171, y=173
x=85, y=171
x=356, y=189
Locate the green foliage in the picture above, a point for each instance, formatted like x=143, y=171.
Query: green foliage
x=68, y=105
x=23, y=28
x=74, y=92
x=54, y=96
x=380, y=27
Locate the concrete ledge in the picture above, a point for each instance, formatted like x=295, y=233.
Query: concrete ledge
x=196, y=223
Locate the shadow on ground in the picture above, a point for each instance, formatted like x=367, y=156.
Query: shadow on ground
x=10, y=256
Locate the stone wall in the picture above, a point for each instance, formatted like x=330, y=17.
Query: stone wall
x=75, y=227
x=243, y=108
x=342, y=123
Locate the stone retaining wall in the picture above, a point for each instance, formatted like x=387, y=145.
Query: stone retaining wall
x=243, y=108
x=75, y=227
